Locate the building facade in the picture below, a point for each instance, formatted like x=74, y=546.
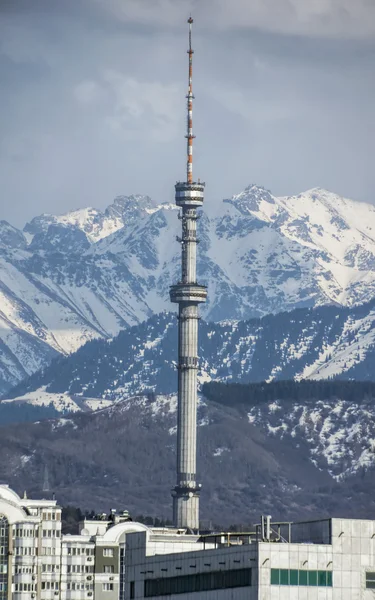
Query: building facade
x=37, y=561
x=30, y=547
x=332, y=559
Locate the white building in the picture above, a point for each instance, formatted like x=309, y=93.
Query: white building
x=77, y=567
x=30, y=547
x=319, y=560
x=37, y=561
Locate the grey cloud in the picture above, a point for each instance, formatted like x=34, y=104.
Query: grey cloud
x=336, y=18
x=93, y=102
x=317, y=18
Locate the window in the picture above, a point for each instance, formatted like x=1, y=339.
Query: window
x=284, y=577
x=308, y=578
x=313, y=578
x=50, y=568
x=108, y=552
x=322, y=578
x=275, y=576
x=75, y=569
x=109, y=569
x=107, y=587
x=199, y=582
x=293, y=577
x=370, y=580
x=132, y=591
x=302, y=578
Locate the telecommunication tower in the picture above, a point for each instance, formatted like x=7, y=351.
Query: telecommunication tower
x=187, y=293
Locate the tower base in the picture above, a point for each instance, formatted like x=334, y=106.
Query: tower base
x=186, y=508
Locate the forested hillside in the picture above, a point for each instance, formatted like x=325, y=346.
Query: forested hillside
x=293, y=450
x=323, y=343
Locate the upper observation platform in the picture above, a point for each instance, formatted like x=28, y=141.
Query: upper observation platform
x=189, y=195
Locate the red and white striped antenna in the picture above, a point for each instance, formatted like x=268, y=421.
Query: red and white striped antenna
x=190, y=98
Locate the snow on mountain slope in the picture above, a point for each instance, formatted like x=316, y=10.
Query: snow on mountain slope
x=302, y=344
x=87, y=274
x=61, y=402
x=95, y=223
x=339, y=435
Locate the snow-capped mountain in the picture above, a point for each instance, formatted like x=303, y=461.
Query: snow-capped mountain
x=95, y=223
x=321, y=343
x=88, y=274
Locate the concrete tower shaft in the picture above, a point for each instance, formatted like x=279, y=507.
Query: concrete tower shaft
x=188, y=294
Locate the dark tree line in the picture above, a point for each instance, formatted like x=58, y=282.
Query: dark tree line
x=232, y=394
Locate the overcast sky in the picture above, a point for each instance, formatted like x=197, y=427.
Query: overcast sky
x=92, y=100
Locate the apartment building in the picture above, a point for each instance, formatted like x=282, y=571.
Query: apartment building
x=37, y=561
x=30, y=547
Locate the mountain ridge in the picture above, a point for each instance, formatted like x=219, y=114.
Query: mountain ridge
x=89, y=274
x=320, y=343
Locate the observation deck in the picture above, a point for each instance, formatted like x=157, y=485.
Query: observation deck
x=188, y=292
x=189, y=194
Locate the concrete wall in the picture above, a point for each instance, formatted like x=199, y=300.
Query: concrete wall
x=297, y=557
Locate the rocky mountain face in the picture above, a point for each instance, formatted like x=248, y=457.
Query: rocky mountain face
x=321, y=343
x=293, y=460
x=88, y=274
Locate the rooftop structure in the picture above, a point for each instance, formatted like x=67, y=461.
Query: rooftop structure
x=187, y=293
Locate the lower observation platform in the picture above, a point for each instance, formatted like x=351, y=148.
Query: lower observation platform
x=188, y=292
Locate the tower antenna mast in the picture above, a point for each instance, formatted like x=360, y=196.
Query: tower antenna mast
x=190, y=98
